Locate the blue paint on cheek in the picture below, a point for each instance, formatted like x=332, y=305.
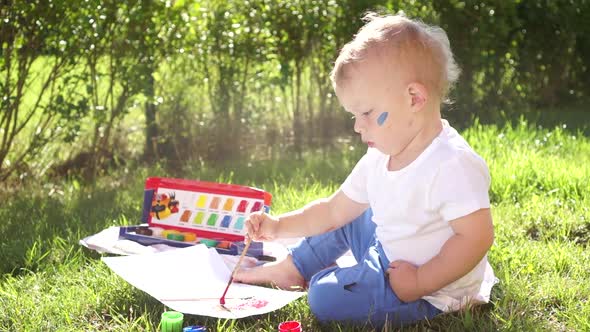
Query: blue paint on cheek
x=382, y=117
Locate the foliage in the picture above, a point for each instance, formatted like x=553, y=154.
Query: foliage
x=33, y=35
x=220, y=79
x=506, y=58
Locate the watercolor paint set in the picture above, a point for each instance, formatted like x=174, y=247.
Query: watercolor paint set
x=181, y=213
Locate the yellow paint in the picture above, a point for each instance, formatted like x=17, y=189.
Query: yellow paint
x=202, y=201
x=199, y=218
x=229, y=204
x=189, y=237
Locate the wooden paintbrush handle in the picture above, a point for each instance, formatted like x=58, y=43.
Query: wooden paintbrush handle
x=222, y=299
x=248, y=241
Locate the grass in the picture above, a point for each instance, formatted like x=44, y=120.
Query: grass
x=541, y=208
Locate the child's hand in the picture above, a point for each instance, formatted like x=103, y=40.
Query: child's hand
x=262, y=227
x=403, y=279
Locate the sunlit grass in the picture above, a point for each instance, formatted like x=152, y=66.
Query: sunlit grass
x=541, y=208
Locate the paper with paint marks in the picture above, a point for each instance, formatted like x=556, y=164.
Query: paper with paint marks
x=191, y=280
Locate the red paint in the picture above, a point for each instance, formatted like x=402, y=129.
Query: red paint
x=222, y=299
x=252, y=303
x=259, y=304
x=257, y=206
x=242, y=206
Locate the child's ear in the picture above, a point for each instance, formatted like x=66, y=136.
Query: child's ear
x=418, y=96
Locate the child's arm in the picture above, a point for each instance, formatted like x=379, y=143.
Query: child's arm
x=474, y=235
x=317, y=217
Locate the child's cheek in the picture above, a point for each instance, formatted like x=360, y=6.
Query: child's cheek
x=382, y=118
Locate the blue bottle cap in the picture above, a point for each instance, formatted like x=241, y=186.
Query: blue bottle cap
x=194, y=328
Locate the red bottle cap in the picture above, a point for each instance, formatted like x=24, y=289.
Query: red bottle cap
x=290, y=326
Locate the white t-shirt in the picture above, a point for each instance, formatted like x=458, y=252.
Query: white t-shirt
x=412, y=208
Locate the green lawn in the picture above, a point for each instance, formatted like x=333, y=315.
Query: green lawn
x=540, y=196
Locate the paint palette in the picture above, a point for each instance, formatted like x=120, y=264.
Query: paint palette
x=148, y=236
x=209, y=210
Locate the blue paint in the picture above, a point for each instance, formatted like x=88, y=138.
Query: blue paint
x=225, y=222
x=240, y=223
x=382, y=117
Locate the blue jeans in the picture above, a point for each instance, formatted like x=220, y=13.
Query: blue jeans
x=360, y=293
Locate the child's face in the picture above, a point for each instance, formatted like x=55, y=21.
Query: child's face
x=382, y=105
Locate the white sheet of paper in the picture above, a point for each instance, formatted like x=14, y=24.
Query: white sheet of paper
x=191, y=280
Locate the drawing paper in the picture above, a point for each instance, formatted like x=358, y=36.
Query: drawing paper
x=191, y=280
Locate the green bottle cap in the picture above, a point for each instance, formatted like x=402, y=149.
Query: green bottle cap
x=171, y=321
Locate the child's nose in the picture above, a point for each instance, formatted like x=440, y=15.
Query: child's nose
x=358, y=127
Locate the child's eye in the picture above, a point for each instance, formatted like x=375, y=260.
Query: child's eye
x=367, y=113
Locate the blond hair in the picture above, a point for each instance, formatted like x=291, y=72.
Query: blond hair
x=422, y=51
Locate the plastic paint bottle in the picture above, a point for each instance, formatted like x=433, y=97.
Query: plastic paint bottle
x=171, y=321
x=290, y=326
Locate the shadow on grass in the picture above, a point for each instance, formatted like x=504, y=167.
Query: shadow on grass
x=40, y=230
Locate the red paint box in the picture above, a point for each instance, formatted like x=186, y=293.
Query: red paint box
x=290, y=326
x=170, y=203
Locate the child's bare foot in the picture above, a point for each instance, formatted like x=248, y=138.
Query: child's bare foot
x=281, y=274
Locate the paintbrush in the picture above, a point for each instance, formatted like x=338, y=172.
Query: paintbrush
x=236, y=268
x=203, y=299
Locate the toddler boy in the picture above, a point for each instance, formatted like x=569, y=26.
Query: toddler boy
x=414, y=211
